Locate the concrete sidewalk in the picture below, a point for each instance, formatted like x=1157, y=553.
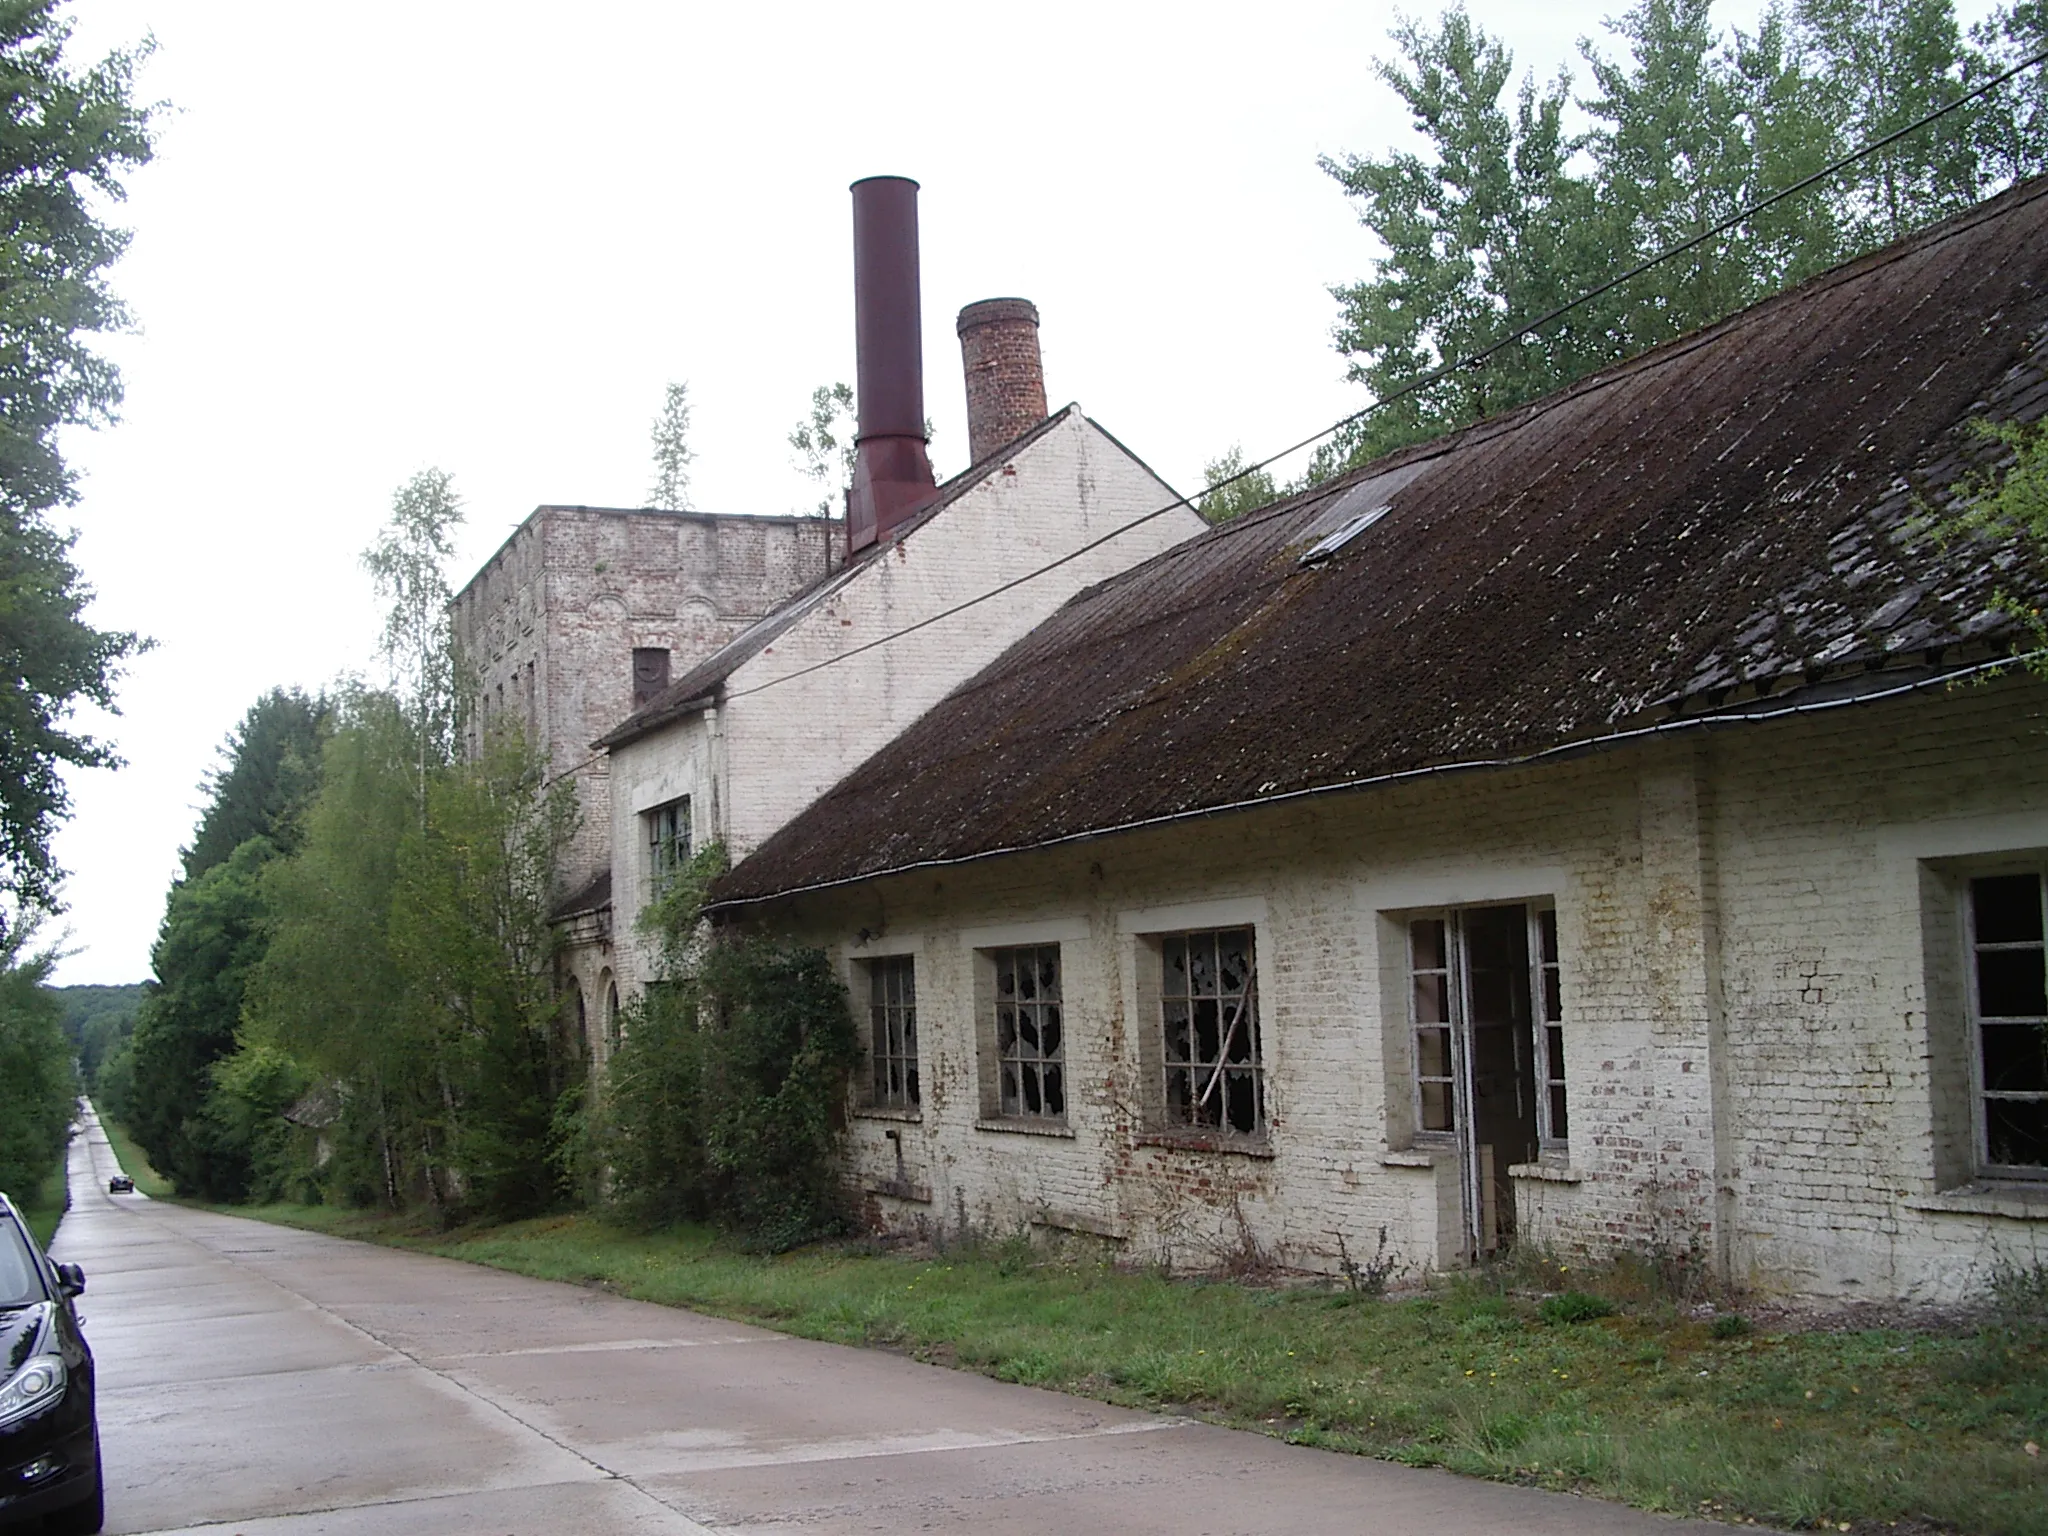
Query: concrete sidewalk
x=275, y=1381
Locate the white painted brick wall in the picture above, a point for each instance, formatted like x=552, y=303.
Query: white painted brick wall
x=1744, y=924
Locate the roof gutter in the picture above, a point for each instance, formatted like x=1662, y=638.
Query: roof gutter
x=633, y=730
x=1562, y=750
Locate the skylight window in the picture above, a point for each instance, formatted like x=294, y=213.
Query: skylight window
x=1346, y=532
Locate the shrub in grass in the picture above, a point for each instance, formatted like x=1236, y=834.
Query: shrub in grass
x=1729, y=1325
x=1575, y=1307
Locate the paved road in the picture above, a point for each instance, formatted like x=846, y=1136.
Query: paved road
x=269, y=1382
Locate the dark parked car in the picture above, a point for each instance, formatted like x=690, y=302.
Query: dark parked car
x=120, y=1184
x=49, y=1436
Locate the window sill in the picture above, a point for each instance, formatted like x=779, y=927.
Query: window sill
x=1207, y=1141
x=1547, y=1173
x=1074, y=1221
x=900, y=1189
x=2021, y=1202
x=1413, y=1157
x=1018, y=1126
x=902, y=1116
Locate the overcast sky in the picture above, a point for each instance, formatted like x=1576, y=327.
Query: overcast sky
x=383, y=236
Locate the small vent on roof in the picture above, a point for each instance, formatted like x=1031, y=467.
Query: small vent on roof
x=1349, y=530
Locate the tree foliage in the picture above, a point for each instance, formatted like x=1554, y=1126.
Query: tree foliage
x=270, y=767
x=724, y=1101
x=672, y=452
x=98, y=1021
x=408, y=567
x=67, y=137
x=1524, y=197
x=409, y=969
x=1233, y=490
x=1487, y=227
x=38, y=1092
x=409, y=960
x=823, y=441
x=213, y=935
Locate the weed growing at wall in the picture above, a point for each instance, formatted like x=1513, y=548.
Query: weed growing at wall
x=723, y=1100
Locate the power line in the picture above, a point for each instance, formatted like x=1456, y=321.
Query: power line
x=1435, y=375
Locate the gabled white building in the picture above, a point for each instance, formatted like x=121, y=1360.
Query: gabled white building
x=740, y=744
x=938, y=580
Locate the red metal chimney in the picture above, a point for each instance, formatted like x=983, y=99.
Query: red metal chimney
x=892, y=477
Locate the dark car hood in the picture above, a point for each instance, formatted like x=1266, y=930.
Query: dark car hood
x=19, y=1332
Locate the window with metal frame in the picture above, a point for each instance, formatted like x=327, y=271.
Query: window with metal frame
x=892, y=1037
x=1030, y=1033
x=1209, y=1003
x=668, y=842
x=1494, y=969
x=2008, y=988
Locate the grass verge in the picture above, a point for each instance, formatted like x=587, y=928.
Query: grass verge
x=46, y=1204
x=1883, y=1430
x=133, y=1163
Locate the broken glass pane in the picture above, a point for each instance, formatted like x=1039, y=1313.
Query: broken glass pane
x=1436, y=1107
x=2016, y=1058
x=2017, y=1132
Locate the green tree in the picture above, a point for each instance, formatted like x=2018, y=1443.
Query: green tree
x=824, y=441
x=1507, y=217
x=1490, y=224
x=38, y=1092
x=98, y=1020
x=212, y=937
x=672, y=453
x=66, y=140
x=1688, y=132
x=269, y=770
x=329, y=991
x=2013, y=138
x=472, y=941
x=1879, y=65
x=724, y=1099
x=252, y=1091
x=1244, y=491
x=408, y=566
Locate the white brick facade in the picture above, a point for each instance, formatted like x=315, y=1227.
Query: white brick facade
x=1766, y=1048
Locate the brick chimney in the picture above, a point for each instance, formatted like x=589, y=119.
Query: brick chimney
x=1005, y=378
x=892, y=476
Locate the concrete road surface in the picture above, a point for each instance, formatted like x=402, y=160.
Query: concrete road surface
x=268, y=1382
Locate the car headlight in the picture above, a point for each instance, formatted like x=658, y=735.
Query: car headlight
x=35, y=1386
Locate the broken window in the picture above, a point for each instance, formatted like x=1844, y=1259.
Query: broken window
x=1030, y=1033
x=1486, y=999
x=892, y=1025
x=1486, y=1013
x=668, y=842
x=613, y=1035
x=1208, y=996
x=2009, y=1023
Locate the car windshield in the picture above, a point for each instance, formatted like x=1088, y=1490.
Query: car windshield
x=21, y=1282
